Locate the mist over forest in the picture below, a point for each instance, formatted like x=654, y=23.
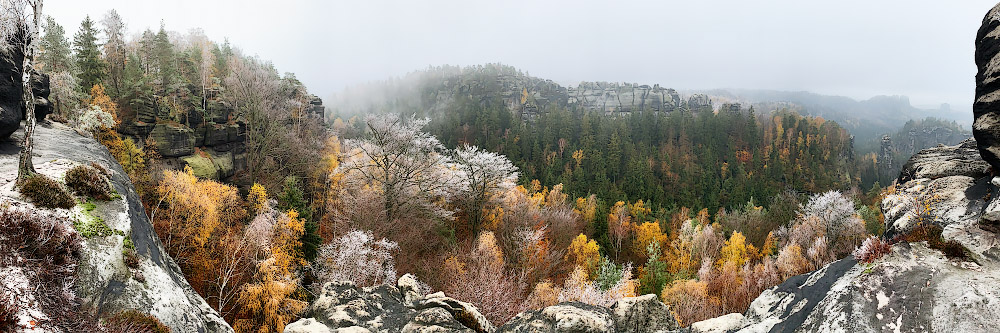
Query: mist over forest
x=329, y=166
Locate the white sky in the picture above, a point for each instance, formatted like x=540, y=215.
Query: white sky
x=857, y=48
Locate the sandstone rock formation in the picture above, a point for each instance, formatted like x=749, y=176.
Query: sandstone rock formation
x=915, y=288
x=343, y=307
x=11, y=109
x=986, y=109
x=103, y=281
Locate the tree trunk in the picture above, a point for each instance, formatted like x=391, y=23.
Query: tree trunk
x=24, y=166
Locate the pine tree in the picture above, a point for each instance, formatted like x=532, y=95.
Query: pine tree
x=88, y=55
x=54, y=47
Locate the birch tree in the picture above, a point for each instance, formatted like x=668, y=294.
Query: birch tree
x=19, y=26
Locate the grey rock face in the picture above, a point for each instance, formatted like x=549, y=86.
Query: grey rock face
x=945, y=161
x=563, y=318
x=343, y=307
x=986, y=109
x=103, y=281
x=173, y=141
x=643, y=314
x=11, y=107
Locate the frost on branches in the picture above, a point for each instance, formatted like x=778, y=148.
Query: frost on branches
x=357, y=257
x=406, y=167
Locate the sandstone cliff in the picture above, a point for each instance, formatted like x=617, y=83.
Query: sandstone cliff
x=104, y=282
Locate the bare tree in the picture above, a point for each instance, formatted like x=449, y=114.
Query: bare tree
x=19, y=25
x=114, y=49
x=255, y=90
x=486, y=175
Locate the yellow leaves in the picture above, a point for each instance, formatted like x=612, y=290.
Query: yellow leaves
x=257, y=198
x=734, y=252
x=647, y=233
x=524, y=95
x=578, y=156
x=100, y=99
x=587, y=208
x=584, y=253
x=492, y=217
x=268, y=305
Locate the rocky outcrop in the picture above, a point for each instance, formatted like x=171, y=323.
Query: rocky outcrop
x=343, y=307
x=173, y=140
x=986, y=109
x=11, y=106
x=915, y=288
x=104, y=282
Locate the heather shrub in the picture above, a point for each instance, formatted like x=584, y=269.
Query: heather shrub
x=132, y=321
x=87, y=181
x=871, y=249
x=931, y=233
x=46, y=192
x=41, y=252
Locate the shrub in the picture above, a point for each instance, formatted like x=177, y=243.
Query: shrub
x=871, y=249
x=357, y=257
x=87, y=181
x=45, y=251
x=932, y=235
x=133, y=321
x=46, y=192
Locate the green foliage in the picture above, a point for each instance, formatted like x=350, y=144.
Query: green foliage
x=88, y=55
x=46, y=192
x=683, y=158
x=294, y=198
x=55, y=48
x=608, y=275
x=87, y=181
x=655, y=274
x=873, y=222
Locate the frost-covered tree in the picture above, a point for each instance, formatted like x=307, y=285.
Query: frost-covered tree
x=408, y=167
x=254, y=89
x=835, y=215
x=486, y=176
x=357, y=257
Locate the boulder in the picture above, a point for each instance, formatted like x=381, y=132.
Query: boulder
x=465, y=313
x=729, y=322
x=210, y=164
x=564, y=317
x=343, y=307
x=643, y=314
x=156, y=286
x=986, y=108
x=173, y=140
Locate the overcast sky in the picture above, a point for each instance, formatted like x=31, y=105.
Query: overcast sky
x=856, y=48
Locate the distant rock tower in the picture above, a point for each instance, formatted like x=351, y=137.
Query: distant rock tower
x=986, y=109
x=885, y=163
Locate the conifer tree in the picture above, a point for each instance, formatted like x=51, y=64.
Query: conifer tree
x=54, y=48
x=89, y=65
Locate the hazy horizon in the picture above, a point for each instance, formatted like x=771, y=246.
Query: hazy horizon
x=849, y=48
